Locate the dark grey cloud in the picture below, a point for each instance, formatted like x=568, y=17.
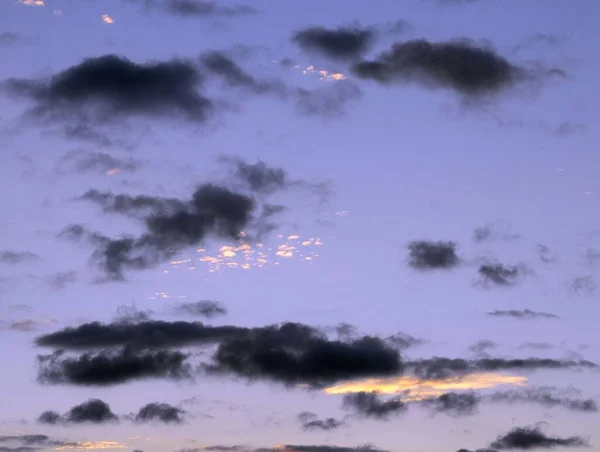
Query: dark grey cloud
x=499, y=274
x=439, y=368
x=131, y=314
x=524, y=314
x=32, y=443
x=546, y=396
x=198, y=8
x=163, y=89
x=310, y=421
x=100, y=162
x=342, y=43
x=460, y=65
x=426, y=255
x=93, y=411
x=172, y=225
x=50, y=418
x=17, y=257
x=330, y=101
x=8, y=38
x=202, y=308
x=107, y=368
x=161, y=412
x=454, y=403
x=482, y=346
x=369, y=404
x=403, y=341
x=529, y=438
x=323, y=448
x=260, y=177
x=544, y=253
x=293, y=353
x=494, y=231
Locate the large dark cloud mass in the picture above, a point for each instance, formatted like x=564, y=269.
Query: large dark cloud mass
x=94, y=410
x=161, y=412
x=110, y=86
x=432, y=255
x=343, y=43
x=460, y=65
x=530, y=438
x=369, y=404
x=524, y=314
x=112, y=367
x=171, y=225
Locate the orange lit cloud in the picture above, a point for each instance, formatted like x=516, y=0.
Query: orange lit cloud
x=413, y=389
x=32, y=2
x=113, y=171
x=323, y=74
x=107, y=19
x=92, y=445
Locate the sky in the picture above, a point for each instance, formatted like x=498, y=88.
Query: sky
x=315, y=226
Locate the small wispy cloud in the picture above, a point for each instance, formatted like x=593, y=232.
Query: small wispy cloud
x=32, y=2
x=107, y=19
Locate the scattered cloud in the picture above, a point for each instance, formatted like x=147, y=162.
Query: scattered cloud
x=107, y=19
x=163, y=89
x=343, y=43
x=403, y=341
x=198, y=8
x=471, y=69
x=8, y=38
x=369, y=404
x=31, y=2
x=30, y=324
x=494, y=231
x=545, y=255
x=17, y=257
x=500, y=275
x=50, y=418
x=160, y=412
x=541, y=39
x=547, y=396
x=93, y=411
x=529, y=438
x=537, y=345
x=128, y=314
x=203, y=308
x=320, y=448
x=330, y=101
x=107, y=367
x=86, y=161
x=482, y=346
x=454, y=403
x=582, y=286
x=426, y=255
x=310, y=421
x=524, y=314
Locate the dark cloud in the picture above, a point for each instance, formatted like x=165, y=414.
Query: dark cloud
x=461, y=65
x=162, y=412
x=482, y=345
x=343, y=43
x=530, y=438
x=440, y=368
x=50, y=418
x=131, y=314
x=454, y=403
x=100, y=162
x=260, y=177
x=524, y=314
x=9, y=38
x=293, y=353
x=203, y=308
x=330, y=101
x=173, y=225
x=403, y=341
x=323, y=448
x=17, y=257
x=369, y=404
x=425, y=255
x=94, y=411
x=500, y=274
x=199, y=8
x=33, y=443
x=164, y=89
x=310, y=421
x=546, y=396
x=112, y=367
x=145, y=334
x=544, y=253
x=494, y=231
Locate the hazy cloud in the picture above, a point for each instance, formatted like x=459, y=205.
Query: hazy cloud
x=100, y=162
x=499, y=274
x=425, y=255
x=8, y=38
x=524, y=314
x=494, y=231
x=17, y=257
x=203, y=308
x=310, y=421
x=329, y=101
x=482, y=345
x=546, y=396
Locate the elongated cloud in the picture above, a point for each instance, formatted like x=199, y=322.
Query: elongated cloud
x=197, y=8
x=202, y=308
x=310, y=421
x=369, y=404
x=107, y=368
x=17, y=257
x=94, y=411
x=160, y=412
x=546, y=396
x=454, y=403
x=343, y=43
x=529, y=438
x=522, y=314
x=425, y=255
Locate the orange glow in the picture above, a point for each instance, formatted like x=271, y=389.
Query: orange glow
x=413, y=389
x=32, y=2
x=113, y=171
x=91, y=445
x=107, y=19
x=323, y=74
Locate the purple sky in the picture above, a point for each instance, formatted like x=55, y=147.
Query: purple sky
x=431, y=121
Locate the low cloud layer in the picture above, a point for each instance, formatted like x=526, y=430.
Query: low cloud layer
x=426, y=255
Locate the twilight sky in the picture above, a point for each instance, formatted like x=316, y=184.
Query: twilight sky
x=318, y=226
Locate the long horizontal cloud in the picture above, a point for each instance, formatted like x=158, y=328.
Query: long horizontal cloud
x=310, y=421
x=545, y=396
x=196, y=8
x=106, y=368
x=524, y=314
x=202, y=308
x=343, y=43
x=369, y=404
x=459, y=65
x=525, y=438
x=17, y=257
x=147, y=89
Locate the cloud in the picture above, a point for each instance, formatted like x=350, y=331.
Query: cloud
x=50, y=418
x=161, y=412
x=545, y=39
x=17, y=257
x=203, y=308
x=107, y=19
x=343, y=43
x=106, y=368
x=259, y=177
x=482, y=345
x=403, y=341
x=141, y=334
x=523, y=314
x=330, y=101
x=547, y=396
x=544, y=254
x=31, y=2
x=32, y=443
x=128, y=314
x=441, y=368
x=198, y=8
x=500, y=274
x=173, y=225
x=459, y=65
x=29, y=324
x=9, y=38
x=368, y=404
x=494, y=231
x=529, y=438
x=425, y=255
x=310, y=421
x=164, y=89
x=454, y=403
x=82, y=130
x=322, y=448
x=93, y=411
x=537, y=345
x=293, y=353
x=98, y=162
